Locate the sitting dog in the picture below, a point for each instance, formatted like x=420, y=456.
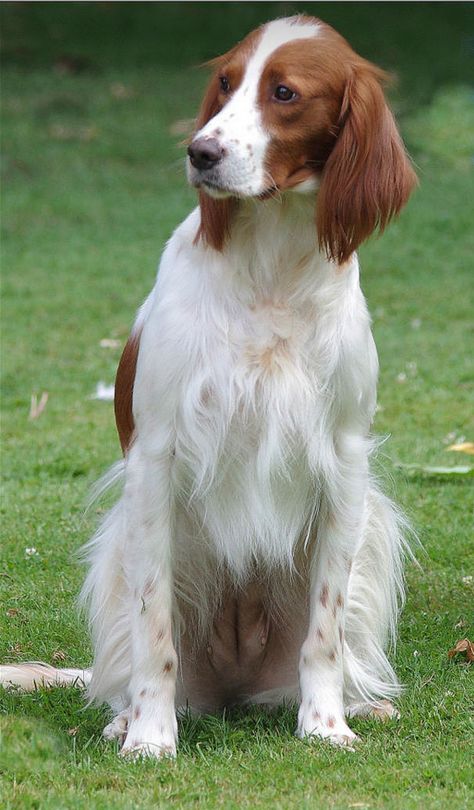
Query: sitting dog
x=251, y=557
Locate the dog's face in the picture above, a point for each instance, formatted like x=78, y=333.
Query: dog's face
x=271, y=107
x=293, y=107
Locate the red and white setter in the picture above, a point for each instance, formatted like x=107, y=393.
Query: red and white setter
x=251, y=557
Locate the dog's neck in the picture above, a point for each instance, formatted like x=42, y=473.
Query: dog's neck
x=273, y=243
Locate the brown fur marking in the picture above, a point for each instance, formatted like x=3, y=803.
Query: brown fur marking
x=324, y=595
x=123, y=398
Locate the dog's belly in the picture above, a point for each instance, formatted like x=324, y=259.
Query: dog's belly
x=247, y=651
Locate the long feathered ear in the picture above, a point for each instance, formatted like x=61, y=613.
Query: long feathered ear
x=216, y=215
x=368, y=177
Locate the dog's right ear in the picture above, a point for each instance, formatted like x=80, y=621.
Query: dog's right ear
x=216, y=215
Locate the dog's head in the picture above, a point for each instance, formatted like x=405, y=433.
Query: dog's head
x=294, y=107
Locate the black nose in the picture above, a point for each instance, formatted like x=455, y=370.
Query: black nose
x=204, y=153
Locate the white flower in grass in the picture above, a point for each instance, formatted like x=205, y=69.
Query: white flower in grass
x=416, y=653
x=31, y=552
x=411, y=370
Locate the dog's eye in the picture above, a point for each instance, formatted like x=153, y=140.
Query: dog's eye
x=283, y=93
x=225, y=84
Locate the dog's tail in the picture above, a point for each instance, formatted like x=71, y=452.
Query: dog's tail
x=375, y=596
x=33, y=675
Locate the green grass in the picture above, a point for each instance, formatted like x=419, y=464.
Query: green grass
x=93, y=186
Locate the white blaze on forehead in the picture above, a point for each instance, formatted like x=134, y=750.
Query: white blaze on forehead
x=278, y=33
x=238, y=126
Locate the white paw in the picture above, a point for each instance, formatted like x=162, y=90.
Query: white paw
x=138, y=750
x=146, y=738
x=326, y=727
x=383, y=710
x=117, y=728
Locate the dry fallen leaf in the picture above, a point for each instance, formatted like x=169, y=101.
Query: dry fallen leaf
x=37, y=408
x=463, y=646
x=73, y=731
x=59, y=656
x=110, y=343
x=104, y=392
x=121, y=91
x=11, y=612
x=71, y=64
x=463, y=447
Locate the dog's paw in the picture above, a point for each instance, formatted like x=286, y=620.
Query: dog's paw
x=383, y=710
x=149, y=739
x=135, y=750
x=117, y=728
x=334, y=730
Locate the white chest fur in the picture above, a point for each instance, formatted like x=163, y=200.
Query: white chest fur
x=247, y=350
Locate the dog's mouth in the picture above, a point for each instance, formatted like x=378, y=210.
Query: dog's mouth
x=220, y=192
x=215, y=190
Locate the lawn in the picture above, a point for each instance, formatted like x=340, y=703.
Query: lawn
x=94, y=100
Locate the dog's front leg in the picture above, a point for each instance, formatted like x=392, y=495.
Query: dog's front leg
x=339, y=526
x=152, y=728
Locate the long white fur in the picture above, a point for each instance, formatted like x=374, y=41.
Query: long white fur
x=254, y=396
x=34, y=674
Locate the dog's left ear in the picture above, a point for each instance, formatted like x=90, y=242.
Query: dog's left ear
x=216, y=215
x=367, y=177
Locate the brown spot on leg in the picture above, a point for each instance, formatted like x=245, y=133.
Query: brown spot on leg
x=142, y=693
x=136, y=712
x=323, y=598
x=320, y=635
x=340, y=600
x=332, y=655
x=168, y=666
x=331, y=721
